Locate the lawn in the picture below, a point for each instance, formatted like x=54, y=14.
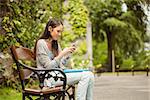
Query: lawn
x=9, y=94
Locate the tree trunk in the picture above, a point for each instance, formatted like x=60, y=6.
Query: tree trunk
x=111, y=55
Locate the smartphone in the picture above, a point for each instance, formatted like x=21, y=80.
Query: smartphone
x=74, y=44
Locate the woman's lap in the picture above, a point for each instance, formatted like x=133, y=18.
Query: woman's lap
x=74, y=78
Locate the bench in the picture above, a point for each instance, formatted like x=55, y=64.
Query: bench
x=20, y=55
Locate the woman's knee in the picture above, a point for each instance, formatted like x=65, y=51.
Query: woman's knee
x=89, y=74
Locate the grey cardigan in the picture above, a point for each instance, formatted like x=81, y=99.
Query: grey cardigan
x=45, y=57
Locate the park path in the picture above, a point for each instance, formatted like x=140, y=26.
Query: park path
x=123, y=87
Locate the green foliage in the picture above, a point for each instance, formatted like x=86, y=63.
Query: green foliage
x=113, y=22
x=76, y=14
x=99, y=53
x=124, y=31
x=55, y=8
x=77, y=17
x=143, y=59
x=146, y=61
x=101, y=11
x=26, y=20
x=128, y=64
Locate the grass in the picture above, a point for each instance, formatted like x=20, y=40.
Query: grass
x=9, y=94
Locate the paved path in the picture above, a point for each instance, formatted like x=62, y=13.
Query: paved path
x=122, y=87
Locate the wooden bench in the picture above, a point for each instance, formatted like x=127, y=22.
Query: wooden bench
x=21, y=54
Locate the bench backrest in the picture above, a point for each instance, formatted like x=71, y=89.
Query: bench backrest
x=22, y=54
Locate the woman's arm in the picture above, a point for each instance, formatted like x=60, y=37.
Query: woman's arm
x=65, y=59
x=46, y=59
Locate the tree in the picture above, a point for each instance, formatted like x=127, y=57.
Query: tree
x=124, y=31
x=25, y=20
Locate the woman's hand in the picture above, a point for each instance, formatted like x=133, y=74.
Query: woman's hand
x=66, y=51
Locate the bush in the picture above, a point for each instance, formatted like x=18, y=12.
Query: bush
x=127, y=64
x=8, y=72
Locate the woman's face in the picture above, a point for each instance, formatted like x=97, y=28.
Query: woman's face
x=56, y=32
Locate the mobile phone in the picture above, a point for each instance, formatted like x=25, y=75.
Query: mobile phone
x=74, y=44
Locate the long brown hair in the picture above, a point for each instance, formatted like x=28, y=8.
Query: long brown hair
x=46, y=35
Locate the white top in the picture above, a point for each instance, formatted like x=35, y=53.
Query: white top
x=45, y=57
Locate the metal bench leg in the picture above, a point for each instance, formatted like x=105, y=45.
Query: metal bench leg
x=72, y=94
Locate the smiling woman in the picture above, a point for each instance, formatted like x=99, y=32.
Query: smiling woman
x=56, y=32
x=49, y=55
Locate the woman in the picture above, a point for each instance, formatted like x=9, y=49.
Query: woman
x=49, y=55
